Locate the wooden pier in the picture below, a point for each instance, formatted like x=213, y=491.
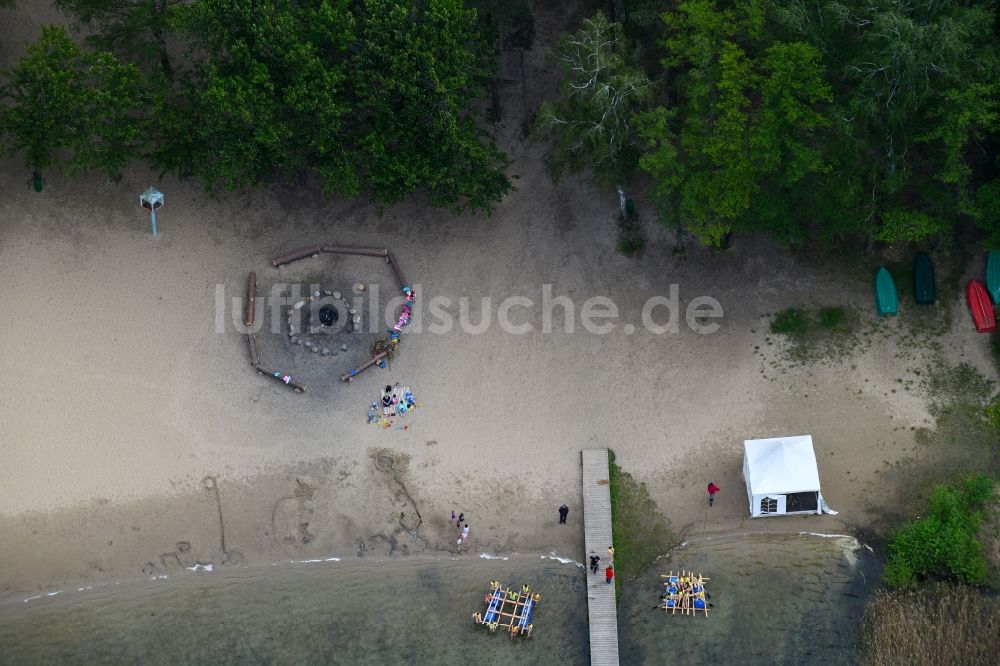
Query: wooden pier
x=597, y=536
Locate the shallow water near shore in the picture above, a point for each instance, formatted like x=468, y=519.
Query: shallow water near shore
x=408, y=611
x=778, y=599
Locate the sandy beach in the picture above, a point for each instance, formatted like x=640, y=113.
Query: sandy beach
x=137, y=440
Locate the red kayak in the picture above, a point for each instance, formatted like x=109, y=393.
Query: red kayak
x=980, y=306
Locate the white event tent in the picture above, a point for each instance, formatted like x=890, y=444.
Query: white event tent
x=782, y=477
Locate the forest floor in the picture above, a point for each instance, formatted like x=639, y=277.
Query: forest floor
x=137, y=439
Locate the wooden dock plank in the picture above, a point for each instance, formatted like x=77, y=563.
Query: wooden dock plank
x=601, y=610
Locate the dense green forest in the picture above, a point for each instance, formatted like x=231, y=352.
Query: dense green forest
x=372, y=97
x=870, y=120
x=854, y=121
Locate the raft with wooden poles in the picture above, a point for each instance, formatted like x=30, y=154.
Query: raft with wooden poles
x=508, y=610
x=684, y=592
x=924, y=292
x=886, y=301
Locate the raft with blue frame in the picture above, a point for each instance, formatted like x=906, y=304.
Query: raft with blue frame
x=527, y=612
x=507, y=609
x=685, y=592
x=493, y=607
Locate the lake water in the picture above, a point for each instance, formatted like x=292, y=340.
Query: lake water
x=778, y=599
x=783, y=599
x=409, y=611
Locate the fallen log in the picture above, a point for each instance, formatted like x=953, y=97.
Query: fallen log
x=366, y=251
x=282, y=378
x=354, y=372
x=370, y=252
x=251, y=301
x=391, y=260
x=252, y=345
x=295, y=256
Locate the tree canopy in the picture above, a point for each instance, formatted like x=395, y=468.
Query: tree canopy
x=741, y=143
x=376, y=97
x=917, y=87
x=67, y=102
x=853, y=119
x=590, y=125
x=135, y=30
x=943, y=543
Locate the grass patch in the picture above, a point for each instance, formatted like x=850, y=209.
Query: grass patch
x=796, y=321
x=992, y=414
x=832, y=318
x=631, y=240
x=961, y=443
x=995, y=349
x=950, y=385
x=939, y=624
x=817, y=333
x=641, y=532
x=790, y=321
x=631, y=244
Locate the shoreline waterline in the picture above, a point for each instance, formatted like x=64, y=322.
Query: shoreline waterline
x=418, y=609
x=347, y=562
x=413, y=610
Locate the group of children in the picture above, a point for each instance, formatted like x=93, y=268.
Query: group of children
x=395, y=401
x=685, y=591
x=462, y=526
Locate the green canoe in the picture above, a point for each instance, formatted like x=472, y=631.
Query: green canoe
x=886, y=301
x=993, y=275
x=923, y=279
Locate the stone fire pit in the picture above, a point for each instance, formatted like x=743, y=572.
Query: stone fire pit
x=323, y=321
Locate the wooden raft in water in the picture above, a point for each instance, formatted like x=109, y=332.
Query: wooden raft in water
x=684, y=592
x=507, y=609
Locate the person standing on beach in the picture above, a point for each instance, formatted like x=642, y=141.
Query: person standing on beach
x=563, y=512
x=465, y=533
x=609, y=574
x=712, y=489
x=453, y=518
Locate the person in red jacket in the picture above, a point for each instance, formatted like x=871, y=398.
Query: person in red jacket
x=609, y=574
x=712, y=489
